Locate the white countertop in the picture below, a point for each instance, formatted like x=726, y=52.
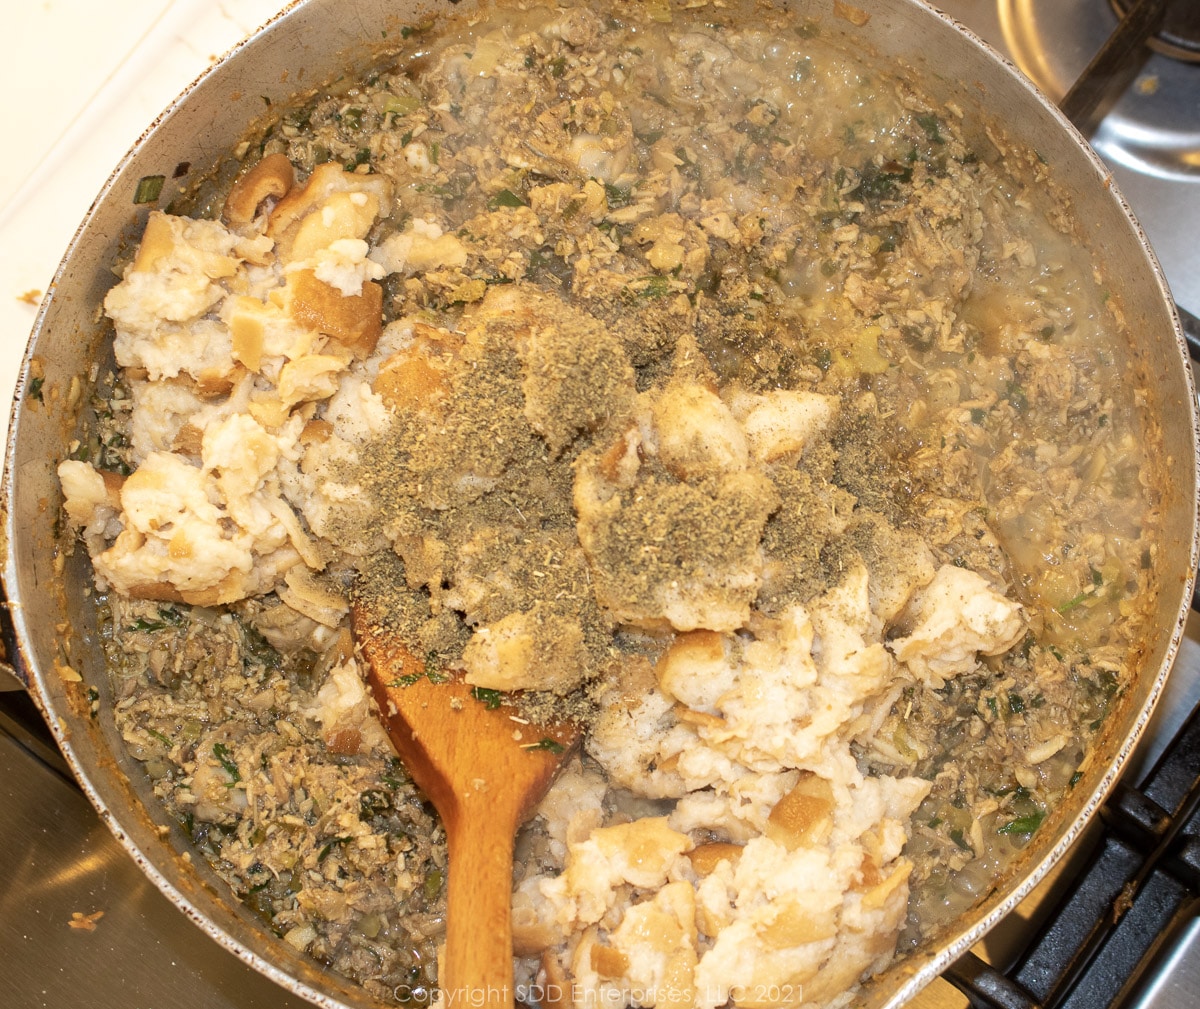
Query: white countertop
x=104, y=72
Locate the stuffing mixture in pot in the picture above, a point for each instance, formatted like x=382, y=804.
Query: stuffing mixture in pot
x=685, y=375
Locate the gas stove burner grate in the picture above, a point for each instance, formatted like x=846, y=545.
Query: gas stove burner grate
x=1179, y=35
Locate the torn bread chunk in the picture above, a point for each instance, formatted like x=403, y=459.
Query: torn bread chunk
x=671, y=553
x=956, y=618
x=233, y=335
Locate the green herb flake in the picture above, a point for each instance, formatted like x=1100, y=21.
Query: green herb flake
x=257, y=650
x=490, y=699
x=149, y=188
x=373, y=802
x=1017, y=398
x=35, y=389
x=929, y=124
x=1073, y=603
x=505, y=198
x=221, y=752
x=165, y=740
x=655, y=287
x=617, y=196
x=958, y=838
x=324, y=852
x=553, y=745
x=405, y=681
x=1023, y=824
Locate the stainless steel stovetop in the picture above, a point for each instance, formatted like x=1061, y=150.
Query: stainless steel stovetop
x=78, y=921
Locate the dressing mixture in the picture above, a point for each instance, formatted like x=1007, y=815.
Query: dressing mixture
x=672, y=370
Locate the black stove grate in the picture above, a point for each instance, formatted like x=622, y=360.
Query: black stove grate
x=1191, y=333
x=1178, y=34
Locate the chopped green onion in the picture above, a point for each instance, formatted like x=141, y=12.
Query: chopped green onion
x=401, y=105
x=432, y=885
x=148, y=188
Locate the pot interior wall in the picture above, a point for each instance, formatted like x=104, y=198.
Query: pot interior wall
x=314, y=42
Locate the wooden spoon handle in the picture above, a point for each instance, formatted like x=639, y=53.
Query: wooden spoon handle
x=478, y=969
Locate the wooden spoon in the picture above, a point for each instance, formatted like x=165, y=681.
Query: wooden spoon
x=485, y=772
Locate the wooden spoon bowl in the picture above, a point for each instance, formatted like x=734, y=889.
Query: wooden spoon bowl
x=485, y=769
